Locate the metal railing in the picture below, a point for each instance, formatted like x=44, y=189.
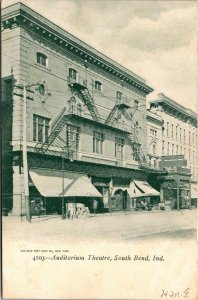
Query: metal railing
x=58, y=118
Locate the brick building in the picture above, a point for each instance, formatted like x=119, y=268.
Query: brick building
x=154, y=138
x=86, y=119
x=178, y=137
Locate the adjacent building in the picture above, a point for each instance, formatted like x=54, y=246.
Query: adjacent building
x=155, y=124
x=86, y=120
x=178, y=141
x=179, y=130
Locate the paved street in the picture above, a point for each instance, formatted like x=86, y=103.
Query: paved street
x=115, y=227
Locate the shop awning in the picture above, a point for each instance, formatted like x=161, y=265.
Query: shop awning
x=194, y=192
x=146, y=188
x=134, y=192
x=49, y=183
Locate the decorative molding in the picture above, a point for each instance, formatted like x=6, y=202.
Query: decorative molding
x=27, y=18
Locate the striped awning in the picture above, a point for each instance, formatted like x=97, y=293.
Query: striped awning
x=194, y=192
x=146, y=188
x=52, y=183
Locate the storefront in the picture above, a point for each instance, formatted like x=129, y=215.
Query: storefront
x=143, y=196
x=99, y=187
x=194, y=195
x=53, y=186
x=176, y=191
x=137, y=195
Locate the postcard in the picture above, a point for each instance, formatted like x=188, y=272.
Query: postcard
x=99, y=149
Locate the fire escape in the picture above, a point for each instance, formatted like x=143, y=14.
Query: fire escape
x=119, y=109
x=64, y=138
x=84, y=94
x=113, y=119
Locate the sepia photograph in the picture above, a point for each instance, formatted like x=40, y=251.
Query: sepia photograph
x=99, y=158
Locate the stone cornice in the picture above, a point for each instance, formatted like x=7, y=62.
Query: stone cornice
x=154, y=118
x=21, y=15
x=175, y=108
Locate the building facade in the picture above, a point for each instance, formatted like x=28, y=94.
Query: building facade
x=179, y=150
x=179, y=131
x=85, y=115
x=154, y=138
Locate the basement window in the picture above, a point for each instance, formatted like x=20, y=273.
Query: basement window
x=41, y=59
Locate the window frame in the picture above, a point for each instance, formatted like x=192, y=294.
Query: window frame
x=98, y=141
x=73, y=74
x=119, y=95
x=119, y=148
x=98, y=86
x=41, y=127
x=41, y=59
x=136, y=104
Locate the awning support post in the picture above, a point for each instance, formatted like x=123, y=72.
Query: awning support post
x=178, y=208
x=63, y=208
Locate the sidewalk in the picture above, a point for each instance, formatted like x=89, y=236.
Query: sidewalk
x=98, y=215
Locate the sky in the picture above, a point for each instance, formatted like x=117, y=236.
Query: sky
x=157, y=39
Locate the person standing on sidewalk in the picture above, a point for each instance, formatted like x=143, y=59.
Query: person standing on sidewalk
x=95, y=205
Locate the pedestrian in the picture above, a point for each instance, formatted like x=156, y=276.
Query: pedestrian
x=95, y=205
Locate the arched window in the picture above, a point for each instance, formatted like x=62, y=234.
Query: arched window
x=98, y=86
x=118, y=95
x=73, y=74
x=72, y=105
x=41, y=59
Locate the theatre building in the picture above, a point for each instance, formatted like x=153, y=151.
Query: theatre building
x=85, y=116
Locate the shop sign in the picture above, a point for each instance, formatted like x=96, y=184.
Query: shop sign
x=173, y=163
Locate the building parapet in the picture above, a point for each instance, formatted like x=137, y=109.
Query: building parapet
x=154, y=118
x=162, y=99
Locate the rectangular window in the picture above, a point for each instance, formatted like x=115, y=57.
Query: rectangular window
x=184, y=136
x=189, y=155
x=98, y=140
x=41, y=59
x=172, y=130
x=168, y=148
x=40, y=129
x=176, y=128
x=136, y=104
x=163, y=143
x=98, y=86
x=73, y=74
x=177, y=149
x=180, y=134
x=172, y=149
x=72, y=137
x=167, y=129
x=189, y=138
x=119, y=144
x=181, y=150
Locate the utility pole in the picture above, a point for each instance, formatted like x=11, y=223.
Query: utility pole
x=25, y=161
x=63, y=191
